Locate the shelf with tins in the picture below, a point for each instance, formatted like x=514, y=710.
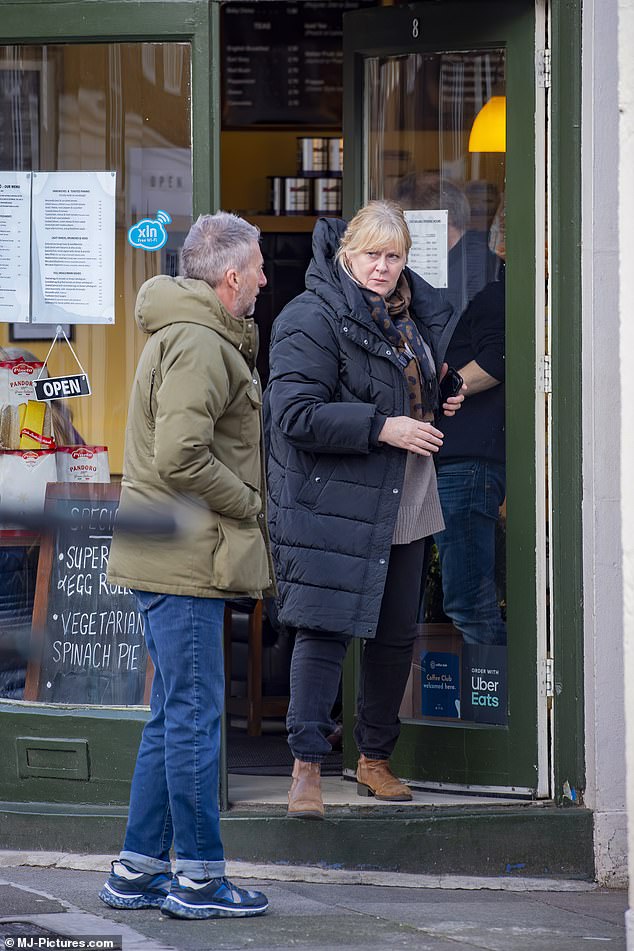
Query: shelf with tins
x=296, y=178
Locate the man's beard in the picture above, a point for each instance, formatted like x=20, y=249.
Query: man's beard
x=248, y=311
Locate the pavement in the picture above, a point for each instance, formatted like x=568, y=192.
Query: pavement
x=45, y=895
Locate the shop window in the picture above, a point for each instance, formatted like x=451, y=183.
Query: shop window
x=122, y=108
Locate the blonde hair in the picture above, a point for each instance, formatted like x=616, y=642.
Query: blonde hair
x=375, y=227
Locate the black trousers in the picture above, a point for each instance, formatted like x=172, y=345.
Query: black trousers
x=318, y=659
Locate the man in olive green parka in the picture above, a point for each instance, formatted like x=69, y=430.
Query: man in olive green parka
x=193, y=442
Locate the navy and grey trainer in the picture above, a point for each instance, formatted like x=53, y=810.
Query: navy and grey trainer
x=127, y=888
x=215, y=898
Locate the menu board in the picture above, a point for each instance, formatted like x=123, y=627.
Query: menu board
x=283, y=62
x=88, y=643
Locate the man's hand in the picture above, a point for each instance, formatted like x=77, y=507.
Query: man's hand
x=451, y=407
x=452, y=404
x=411, y=434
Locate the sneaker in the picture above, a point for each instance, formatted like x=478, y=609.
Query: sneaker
x=215, y=898
x=127, y=888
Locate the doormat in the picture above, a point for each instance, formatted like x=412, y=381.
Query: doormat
x=268, y=755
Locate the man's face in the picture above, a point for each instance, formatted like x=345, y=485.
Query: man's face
x=251, y=280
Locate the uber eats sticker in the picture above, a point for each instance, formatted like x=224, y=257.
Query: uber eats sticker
x=484, y=684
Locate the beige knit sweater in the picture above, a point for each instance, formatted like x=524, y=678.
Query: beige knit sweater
x=420, y=513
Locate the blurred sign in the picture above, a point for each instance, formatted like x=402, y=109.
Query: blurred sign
x=89, y=644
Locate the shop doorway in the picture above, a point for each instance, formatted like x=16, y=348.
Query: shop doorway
x=425, y=89
x=452, y=119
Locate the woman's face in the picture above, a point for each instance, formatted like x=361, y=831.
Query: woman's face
x=379, y=271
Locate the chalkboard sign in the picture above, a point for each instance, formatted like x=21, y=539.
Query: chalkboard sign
x=88, y=643
x=283, y=62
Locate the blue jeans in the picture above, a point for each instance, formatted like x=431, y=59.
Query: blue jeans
x=174, y=792
x=471, y=492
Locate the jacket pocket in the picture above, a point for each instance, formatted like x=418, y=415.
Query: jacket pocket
x=316, y=481
x=251, y=415
x=240, y=561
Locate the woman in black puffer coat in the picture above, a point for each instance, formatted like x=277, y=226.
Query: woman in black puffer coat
x=350, y=406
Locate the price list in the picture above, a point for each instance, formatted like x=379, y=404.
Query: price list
x=283, y=62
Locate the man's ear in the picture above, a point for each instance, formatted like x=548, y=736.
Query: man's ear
x=231, y=277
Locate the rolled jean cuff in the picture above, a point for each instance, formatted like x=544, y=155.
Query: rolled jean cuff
x=199, y=871
x=145, y=863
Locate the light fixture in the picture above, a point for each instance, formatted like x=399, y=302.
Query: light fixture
x=488, y=132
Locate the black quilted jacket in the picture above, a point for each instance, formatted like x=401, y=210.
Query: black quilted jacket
x=334, y=490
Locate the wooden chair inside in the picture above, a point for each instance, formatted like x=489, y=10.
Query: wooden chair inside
x=254, y=706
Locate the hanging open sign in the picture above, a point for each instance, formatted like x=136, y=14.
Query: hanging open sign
x=61, y=387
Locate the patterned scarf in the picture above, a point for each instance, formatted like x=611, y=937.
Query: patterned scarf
x=391, y=315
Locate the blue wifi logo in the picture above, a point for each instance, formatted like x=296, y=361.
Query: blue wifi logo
x=150, y=234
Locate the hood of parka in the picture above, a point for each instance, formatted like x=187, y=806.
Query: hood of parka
x=324, y=275
x=327, y=278
x=165, y=300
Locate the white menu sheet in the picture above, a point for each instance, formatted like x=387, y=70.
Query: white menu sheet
x=428, y=254
x=15, y=227
x=73, y=247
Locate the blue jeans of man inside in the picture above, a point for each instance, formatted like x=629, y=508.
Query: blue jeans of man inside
x=471, y=492
x=174, y=792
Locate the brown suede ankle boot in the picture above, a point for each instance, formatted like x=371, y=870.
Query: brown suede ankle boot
x=304, y=797
x=375, y=778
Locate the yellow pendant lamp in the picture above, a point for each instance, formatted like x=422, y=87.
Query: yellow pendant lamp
x=488, y=132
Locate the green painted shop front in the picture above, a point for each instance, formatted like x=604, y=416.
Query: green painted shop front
x=66, y=768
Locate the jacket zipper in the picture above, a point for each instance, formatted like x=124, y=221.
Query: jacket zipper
x=152, y=375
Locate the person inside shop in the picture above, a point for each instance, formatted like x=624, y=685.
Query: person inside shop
x=193, y=433
x=18, y=563
x=471, y=462
x=470, y=262
x=354, y=367
x=471, y=472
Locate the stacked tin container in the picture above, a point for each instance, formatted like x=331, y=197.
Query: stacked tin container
x=316, y=189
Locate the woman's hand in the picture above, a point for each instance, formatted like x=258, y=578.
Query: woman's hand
x=411, y=434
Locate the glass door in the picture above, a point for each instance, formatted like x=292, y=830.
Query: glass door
x=448, y=129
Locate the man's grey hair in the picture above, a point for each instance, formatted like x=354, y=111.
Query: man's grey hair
x=215, y=244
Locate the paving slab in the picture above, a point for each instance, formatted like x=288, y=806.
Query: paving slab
x=329, y=916
x=16, y=900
